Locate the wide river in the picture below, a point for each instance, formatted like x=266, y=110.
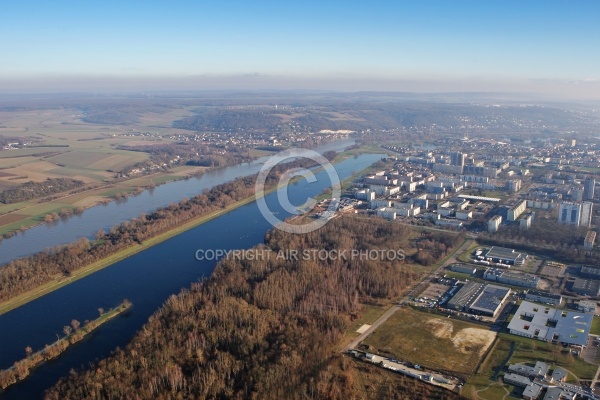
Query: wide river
x=87, y=224
x=147, y=279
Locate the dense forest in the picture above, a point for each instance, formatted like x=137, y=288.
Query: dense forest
x=261, y=328
x=230, y=120
x=111, y=118
x=435, y=246
x=31, y=190
x=25, y=274
x=369, y=113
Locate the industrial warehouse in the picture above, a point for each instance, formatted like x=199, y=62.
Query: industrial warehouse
x=505, y=255
x=490, y=300
x=479, y=298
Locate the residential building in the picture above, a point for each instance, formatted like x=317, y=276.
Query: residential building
x=589, y=187
x=387, y=213
x=365, y=194
x=513, y=185
x=494, y=223
x=525, y=222
x=569, y=213
x=586, y=214
x=538, y=371
x=515, y=211
x=589, y=240
x=464, y=215
x=559, y=375
x=458, y=158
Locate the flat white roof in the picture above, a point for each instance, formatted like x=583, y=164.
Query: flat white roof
x=551, y=324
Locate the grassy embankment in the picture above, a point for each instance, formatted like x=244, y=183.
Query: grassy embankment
x=114, y=258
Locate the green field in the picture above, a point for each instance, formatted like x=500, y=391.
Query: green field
x=430, y=340
x=595, y=329
x=369, y=314
x=466, y=255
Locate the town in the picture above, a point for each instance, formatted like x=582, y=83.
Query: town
x=518, y=291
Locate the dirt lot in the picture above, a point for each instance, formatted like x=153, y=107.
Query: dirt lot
x=551, y=271
x=464, y=340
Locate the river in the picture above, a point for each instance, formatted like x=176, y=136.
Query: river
x=105, y=216
x=147, y=279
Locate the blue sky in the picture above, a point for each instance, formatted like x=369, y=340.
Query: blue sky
x=412, y=45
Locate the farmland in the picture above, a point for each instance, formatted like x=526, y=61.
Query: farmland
x=61, y=145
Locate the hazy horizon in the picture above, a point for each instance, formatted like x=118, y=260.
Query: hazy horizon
x=546, y=49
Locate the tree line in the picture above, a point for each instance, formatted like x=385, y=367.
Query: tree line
x=560, y=241
x=31, y=190
x=27, y=273
x=260, y=328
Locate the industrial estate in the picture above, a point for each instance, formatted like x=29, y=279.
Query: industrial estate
x=513, y=288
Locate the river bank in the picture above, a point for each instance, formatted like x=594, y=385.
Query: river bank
x=49, y=287
x=79, y=273
x=148, y=279
x=73, y=333
x=106, y=215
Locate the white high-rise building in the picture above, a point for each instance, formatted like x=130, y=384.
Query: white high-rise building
x=578, y=214
x=569, y=213
x=586, y=214
x=588, y=189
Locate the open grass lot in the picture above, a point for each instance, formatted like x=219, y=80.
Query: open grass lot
x=368, y=315
x=11, y=162
x=79, y=159
x=434, y=341
x=466, y=255
x=595, y=329
x=86, y=175
x=527, y=351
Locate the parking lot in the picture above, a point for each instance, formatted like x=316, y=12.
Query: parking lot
x=590, y=353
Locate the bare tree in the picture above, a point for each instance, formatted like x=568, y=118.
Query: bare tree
x=67, y=330
x=75, y=324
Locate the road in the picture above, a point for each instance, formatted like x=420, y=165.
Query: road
x=452, y=259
